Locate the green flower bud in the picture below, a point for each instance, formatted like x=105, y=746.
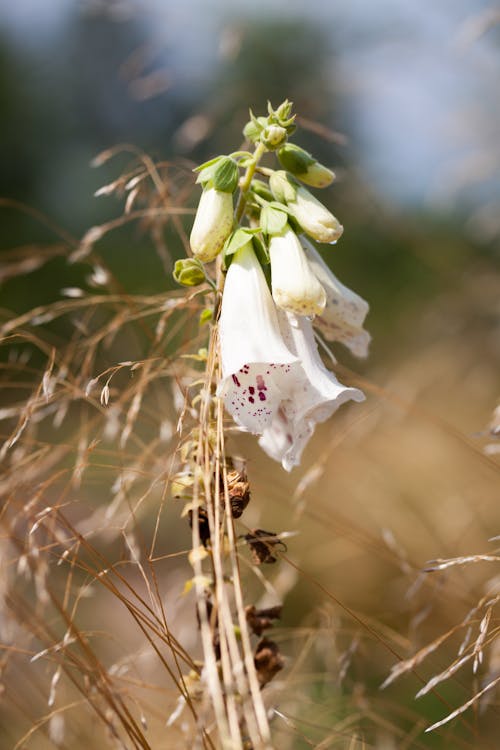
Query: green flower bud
x=212, y=224
x=294, y=159
x=274, y=136
x=253, y=129
x=317, y=176
x=189, y=272
x=226, y=175
x=284, y=109
x=304, y=166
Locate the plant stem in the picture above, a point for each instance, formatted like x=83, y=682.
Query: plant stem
x=245, y=185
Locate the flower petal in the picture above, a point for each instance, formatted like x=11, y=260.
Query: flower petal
x=345, y=311
x=256, y=363
x=313, y=397
x=295, y=287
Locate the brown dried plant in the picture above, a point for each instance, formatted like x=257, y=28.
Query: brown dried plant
x=108, y=612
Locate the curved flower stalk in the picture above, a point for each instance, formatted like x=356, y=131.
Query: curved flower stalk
x=212, y=225
x=295, y=287
x=345, y=311
x=257, y=366
x=314, y=218
x=312, y=397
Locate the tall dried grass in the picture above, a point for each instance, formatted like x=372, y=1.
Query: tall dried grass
x=122, y=628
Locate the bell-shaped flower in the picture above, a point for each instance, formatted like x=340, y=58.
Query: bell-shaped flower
x=314, y=218
x=257, y=366
x=345, y=311
x=295, y=287
x=315, y=395
x=212, y=225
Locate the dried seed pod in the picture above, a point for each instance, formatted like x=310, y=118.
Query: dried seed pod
x=262, y=544
x=203, y=525
x=261, y=619
x=239, y=492
x=268, y=661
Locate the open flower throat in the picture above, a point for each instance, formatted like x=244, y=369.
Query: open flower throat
x=274, y=383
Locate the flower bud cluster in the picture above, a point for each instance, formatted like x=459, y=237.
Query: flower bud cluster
x=276, y=284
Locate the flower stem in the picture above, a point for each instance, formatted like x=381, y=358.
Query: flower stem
x=247, y=179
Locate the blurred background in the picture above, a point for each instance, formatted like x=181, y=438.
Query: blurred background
x=401, y=99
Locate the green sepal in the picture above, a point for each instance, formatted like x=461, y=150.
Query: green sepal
x=207, y=170
x=238, y=239
x=273, y=220
x=280, y=207
x=226, y=175
x=261, y=188
x=206, y=316
x=254, y=127
x=294, y=159
x=189, y=272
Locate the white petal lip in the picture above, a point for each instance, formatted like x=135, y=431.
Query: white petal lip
x=256, y=363
x=212, y=224
x=345, y=311
x=314, y=218
x=311, y=398
x=295, y=287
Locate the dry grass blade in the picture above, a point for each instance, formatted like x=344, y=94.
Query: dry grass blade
x=464, y=707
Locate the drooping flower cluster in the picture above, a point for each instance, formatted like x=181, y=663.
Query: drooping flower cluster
x=277, y=288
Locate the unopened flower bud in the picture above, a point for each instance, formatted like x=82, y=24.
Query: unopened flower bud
x=212, y=225
x=274, y=136
x=284, y=110
x=254, y=127
x=189, y=272
x=304, y=166
x=226, y=175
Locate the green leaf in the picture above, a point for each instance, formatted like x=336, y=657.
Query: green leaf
x=206, y=171
x=226, y=175
x=206, y=316
x=272, y=220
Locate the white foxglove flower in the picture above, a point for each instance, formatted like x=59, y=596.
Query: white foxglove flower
x=257, y=366
x=212, y=224
x=345, y=311
x=311, y=397
x=295, y=287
